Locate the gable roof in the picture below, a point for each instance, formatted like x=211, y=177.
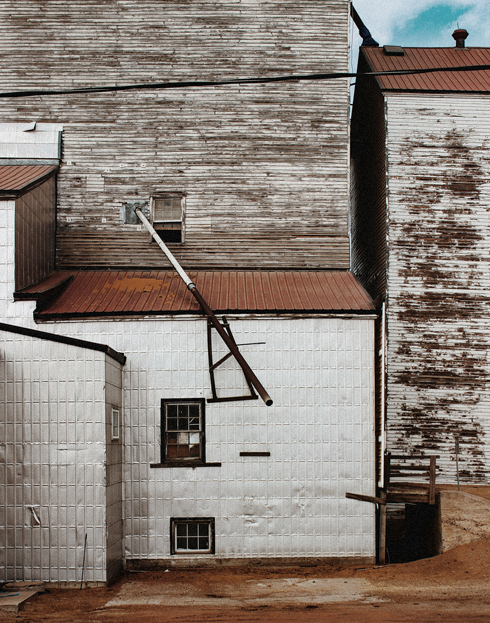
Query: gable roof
x=81, y=294
x=17, y=179
x=475, y=81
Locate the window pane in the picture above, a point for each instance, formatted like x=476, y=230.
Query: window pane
x=203, y=542
x=192, y=529
x=194, y=438
x=194, y=451
x=172, y=424
x=203, y=529
x=183, y=438
x=194, y=424
x=172, y=438
x=183, y=423
x=181, y=543
x=194, y=411
x=171, y=411
x=167, y=209
x=192, y=541
x=183, y=411
x=181, y=529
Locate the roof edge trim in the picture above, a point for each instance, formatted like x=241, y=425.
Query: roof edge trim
x=61, y=339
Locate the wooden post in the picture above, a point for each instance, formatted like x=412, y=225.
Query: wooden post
x=432, y=480
x=382, y=529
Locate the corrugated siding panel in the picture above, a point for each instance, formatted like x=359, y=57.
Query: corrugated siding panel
x=53, y=445
x=266, y=176
x=320, y=432
x=368, y=187
x=118, y=292
x=438, y=276
x=35, y=226
x=426, y=58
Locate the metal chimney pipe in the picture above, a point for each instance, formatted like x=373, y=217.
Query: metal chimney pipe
x=459, y=36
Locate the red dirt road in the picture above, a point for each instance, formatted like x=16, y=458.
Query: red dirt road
x=452, y=587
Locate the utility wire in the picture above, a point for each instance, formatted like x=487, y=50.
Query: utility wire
x=218, y=83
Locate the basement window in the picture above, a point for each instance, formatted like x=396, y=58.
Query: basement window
x=183, y=431
x=192, y=535
x=167, y=213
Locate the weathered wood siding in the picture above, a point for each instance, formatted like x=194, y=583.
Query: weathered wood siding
x=439, y=280
x=265, y=167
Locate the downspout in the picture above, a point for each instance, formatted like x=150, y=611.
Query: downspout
x=383, y=391
x=247, y=370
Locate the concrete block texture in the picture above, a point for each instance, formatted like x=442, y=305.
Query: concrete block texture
x=463, y=518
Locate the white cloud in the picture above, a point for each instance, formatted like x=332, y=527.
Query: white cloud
x=385, y=17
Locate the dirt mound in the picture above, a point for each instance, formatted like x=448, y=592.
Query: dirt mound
x=465, y=562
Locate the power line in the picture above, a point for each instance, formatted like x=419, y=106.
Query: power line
x=244, y=81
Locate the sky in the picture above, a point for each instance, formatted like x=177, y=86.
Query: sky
x=423, y=22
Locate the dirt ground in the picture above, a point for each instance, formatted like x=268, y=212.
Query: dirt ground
x=454, y=586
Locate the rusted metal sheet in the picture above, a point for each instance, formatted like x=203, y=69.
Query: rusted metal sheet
x=99, y=293
x=425, y=58
x=18, y=179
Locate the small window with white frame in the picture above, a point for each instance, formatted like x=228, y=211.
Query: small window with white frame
x=115, y=425
x=167, y=214
x=192, y=535
x=183, y=431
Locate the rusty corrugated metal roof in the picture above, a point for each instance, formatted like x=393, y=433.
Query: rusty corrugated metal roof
x=425, y=58
x=16, y=179
x=109, y=293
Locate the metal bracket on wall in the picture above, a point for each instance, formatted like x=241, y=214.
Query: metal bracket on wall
x=213, y=365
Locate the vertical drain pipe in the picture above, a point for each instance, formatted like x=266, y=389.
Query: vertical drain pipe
x=247, y=370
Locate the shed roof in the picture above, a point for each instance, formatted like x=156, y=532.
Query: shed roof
x=17, y=179
x=475, y=81
x=78, y=294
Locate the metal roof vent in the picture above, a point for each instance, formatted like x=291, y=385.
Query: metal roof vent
x=459, y=36
x=393, y=50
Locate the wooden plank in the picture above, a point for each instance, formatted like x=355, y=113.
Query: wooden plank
x=365, y=498
x=432, y=489
x=409, y=468
x=407, y=497
x=382, y=529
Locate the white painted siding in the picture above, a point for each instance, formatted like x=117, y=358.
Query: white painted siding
x=320, y=432
x=439, y=280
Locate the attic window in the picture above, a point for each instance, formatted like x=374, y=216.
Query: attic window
x=167, y=213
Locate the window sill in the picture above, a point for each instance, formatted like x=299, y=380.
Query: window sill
x=188, y=464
